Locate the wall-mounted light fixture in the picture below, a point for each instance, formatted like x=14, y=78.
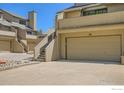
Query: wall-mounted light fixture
x=90, y=34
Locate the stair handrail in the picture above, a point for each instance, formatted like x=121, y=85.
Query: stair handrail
x=42, y=43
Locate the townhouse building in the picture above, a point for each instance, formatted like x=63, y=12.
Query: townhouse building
x=86, y=31
x=91, y=32
x=18, y=34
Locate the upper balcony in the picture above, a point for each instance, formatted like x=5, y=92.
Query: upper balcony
x=31, y=35
x=5, y=29
x=7, y=33
x=93, y=20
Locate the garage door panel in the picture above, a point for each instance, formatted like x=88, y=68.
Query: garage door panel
x=94, y=48
x=4, y=45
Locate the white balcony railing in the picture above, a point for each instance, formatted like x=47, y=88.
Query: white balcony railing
x=99, y=19
x=7, y=33
x=31, y=36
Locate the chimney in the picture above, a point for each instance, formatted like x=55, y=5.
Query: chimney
x=32, y=20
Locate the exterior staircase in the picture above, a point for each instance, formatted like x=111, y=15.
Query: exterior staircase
x=21, y=39
x=42, y=56
x=23, y=44
x=40, y=49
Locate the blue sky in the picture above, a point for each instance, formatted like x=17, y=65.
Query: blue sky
x=45, y=12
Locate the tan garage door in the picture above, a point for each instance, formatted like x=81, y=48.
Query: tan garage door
x=104, y=48
x=4, y=45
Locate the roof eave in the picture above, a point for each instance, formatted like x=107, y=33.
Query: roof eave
x=81, y=7
x=13, y=14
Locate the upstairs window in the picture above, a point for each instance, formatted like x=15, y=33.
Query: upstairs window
x=23, y=22
x=29, y=32
x=94, y=12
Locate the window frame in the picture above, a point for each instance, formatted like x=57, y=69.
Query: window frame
x=23, y=22
x=94, y=12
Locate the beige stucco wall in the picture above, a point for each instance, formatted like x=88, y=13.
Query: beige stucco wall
x=60, y=15
x=115, y=7
x=24, y=42
x=51, y=51
x=7, y=33
x=9, y=44
x=72, y=14
x=111, y=7
x=77, y=13
x=78, y=34
x=5, y=45
x=17, y=47
x=31, y=45
x=73, y=27
x=108, y=18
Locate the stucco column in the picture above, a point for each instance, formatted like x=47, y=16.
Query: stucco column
x=122, y=55
x=58, y=45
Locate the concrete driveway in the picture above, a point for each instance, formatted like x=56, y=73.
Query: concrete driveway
x=64, y=73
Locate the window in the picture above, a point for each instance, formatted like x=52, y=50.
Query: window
x=94, y=12
x=29, y=33
x=22, y=22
